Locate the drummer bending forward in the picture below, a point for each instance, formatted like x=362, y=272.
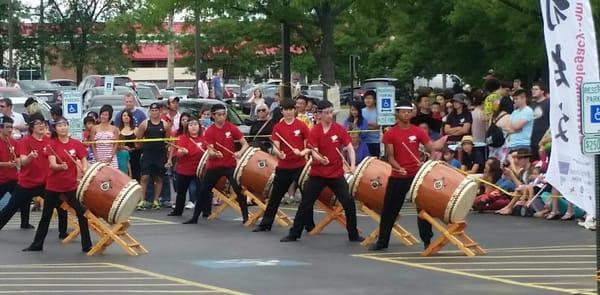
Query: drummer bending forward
x=327, y=170
x=400, y=141
x=290, y=162
x=220, y=138
x=62, y=179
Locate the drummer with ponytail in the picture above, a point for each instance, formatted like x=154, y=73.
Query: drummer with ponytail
x=401, y=150
x=65, y=155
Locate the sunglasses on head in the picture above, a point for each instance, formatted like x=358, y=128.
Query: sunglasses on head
x=261, y=110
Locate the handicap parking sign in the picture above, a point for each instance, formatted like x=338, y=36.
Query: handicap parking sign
x=386, y=103
x=595, y=113
x=72, y=108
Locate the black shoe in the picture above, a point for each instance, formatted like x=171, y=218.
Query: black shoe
x=356, y=239
x=191, y=221
x=27, y=226
x=377, y=247
x=425, y=246
x=261, y=228
x=204, y=216
x=173, y=213
x=87, y=249
x=32, y=249
x=309, y=228
x=288, y=239
x=63, y=236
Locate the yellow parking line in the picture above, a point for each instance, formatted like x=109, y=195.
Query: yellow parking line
x=478, y=276
x=133, y=218
x=492, y=250
x=510, y=262
x=178, y=280
x=494, y=257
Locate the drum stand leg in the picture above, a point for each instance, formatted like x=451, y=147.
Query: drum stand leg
x=117, y=233
x=333, y=213
x=228, y=200
x=398, y=231
x=455, y=234
x=280, y=217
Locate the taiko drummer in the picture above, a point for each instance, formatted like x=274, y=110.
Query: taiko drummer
x=327, y=170
x=402, y=152
x=220, y=138
x=32, y=176
x=291, y=159
x=63, y=154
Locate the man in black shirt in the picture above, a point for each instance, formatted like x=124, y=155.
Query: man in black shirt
x=472, y=160
x=541, y=117
x=458, y=123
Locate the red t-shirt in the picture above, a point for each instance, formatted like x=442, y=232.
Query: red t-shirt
x=411, y=137
x=35, y=173
x=327, y=143
x=65, y=180
x=294, y=134
x=225, y=136
x=188, y=163
x=7, y=154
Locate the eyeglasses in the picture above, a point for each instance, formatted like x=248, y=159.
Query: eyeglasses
x=261, y=110
x=2, y=106
x=6, y=126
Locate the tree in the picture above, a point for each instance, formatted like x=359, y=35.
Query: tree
x=90, y=33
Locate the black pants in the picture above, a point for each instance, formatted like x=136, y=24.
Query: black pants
x=134, y=160
x=392, y=204
x=183, y=183
x=51, y=201
x=283, y=179
x=20, y=199
x=374, y=149
x=211, y=178
x=313, y=188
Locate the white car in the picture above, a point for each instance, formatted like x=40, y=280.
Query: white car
x=18, y=98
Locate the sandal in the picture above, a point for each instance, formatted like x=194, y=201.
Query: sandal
x=552, y=216
x=568, y=216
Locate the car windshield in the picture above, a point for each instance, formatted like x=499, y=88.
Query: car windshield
x=37, y=84
x=181, y=91
x=145, y=93
x=375, y=84
x=193, y=108
x=12, y=92
x=114, y=102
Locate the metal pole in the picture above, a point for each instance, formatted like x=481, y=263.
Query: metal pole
x=597, y=166
x=286, y=61
x=11, y=70
x=40, y=45
x=351, y=73
x=171, y=53
x=197, y=41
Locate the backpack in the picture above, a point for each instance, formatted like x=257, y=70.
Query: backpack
x=494, y=135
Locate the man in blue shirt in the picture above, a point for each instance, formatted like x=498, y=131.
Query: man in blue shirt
x=217, y=84
x=369, y=113
x=138, y=115
x=521, y=123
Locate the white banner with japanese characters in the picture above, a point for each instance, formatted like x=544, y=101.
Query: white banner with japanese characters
x=573, y=60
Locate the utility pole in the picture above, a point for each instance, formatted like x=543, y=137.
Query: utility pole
x=197, y=53
x=171, y=53
x=287, y=60
x=11, y=69
x=40, y=29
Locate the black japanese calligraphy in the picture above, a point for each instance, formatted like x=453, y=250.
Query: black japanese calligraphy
x=562, y=133
x=554, y=12
x=561, y=67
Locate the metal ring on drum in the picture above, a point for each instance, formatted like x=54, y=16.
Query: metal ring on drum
x=255, y=171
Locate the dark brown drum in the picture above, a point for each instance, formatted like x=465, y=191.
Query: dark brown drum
x=255, y=171
x=109, y=193
x=201, y=169
x=326, y=197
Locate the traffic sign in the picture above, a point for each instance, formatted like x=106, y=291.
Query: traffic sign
x=591, y=145
x=109, y=83
x=590, y=108
x=386, y=105
x=72, y=111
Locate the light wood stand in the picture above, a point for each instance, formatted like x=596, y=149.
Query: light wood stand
x=228, y=200
x=115, y=233
x=280, y=217
x=332, y=213
x=454, y=233
x=403, y=235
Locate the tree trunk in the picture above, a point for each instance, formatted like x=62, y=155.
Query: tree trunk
x=79, y=72
x=326, y=56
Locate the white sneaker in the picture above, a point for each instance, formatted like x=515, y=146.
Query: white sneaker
x=588, y=223
x=189, y=205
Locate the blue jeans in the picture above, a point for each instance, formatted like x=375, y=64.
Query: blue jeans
x=165, y=193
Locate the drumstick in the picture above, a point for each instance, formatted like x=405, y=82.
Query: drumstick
x=485, y=182
x=55, y=154
x=284, y=141
x=343, y=159
x=274, y=146
x=412, y=154
x=74, y=161
x=175, y=146
x=225, y=148
x=196, y=144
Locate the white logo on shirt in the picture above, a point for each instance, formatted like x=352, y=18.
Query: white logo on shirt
x=72, y=153
x=227, y=134
x=334, y=138
x=462, y=120
x=199, y=144
x=297, y=132
x=412, y=139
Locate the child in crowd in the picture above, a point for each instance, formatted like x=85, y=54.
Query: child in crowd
x=449, y=157
x=436, y=111
x=123, y=161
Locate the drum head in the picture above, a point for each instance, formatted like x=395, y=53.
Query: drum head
x=125, y=203
x=354, y=181
x=418, y=180
x=304, y=174
x=201, y=165
x=87, y=178
x=242, y=162
x=460, y=204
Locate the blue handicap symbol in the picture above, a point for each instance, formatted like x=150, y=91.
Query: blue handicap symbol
x=386, y=103
x=72, y=108
x=595, y=113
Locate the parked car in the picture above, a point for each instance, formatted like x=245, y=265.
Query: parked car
x=268, y=92
x=64, y=84
x=315, y=87
x=147, y=95
x=437, y=81
x=42, y=89
x=348, y=96
x=152, y=86
x=230, y=93
x=193, y=107
x=167, y=93
x=98, y=81
x=93, y=92
x=18, y=98
x=181, y=91
x=116, y=101
x=402, y=91
x=315, y=95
